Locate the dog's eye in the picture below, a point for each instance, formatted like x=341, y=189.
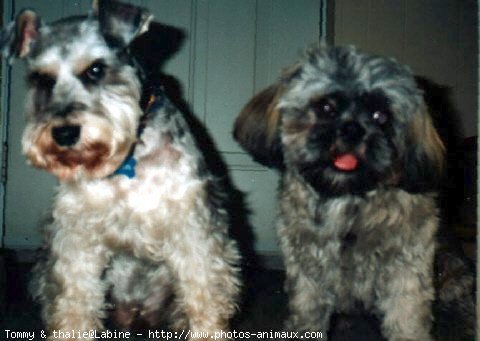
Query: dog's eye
x=380, y=117
x=324, y=108
x=94, y=73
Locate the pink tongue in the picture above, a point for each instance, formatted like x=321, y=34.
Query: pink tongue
x=346, y=162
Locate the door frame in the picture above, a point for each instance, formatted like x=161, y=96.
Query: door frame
x=7, y=16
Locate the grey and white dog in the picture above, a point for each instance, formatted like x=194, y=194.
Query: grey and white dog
x=359, y=159
x=137, y=214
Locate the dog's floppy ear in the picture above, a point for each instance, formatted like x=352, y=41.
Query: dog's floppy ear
x=17, y=38
x=425, y=155
x=256, y=128
x=121, y=23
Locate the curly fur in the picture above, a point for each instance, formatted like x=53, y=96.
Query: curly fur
x=153, y=241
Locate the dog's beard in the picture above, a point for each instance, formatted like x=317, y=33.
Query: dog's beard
x=98, y=153
x=332, y=169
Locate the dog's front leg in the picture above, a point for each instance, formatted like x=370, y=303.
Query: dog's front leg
x=77, y=263
x=405, y=300
x=310, y=303
x=310, y=277
x=207, y=282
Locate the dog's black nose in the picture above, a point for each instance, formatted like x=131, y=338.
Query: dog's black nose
x=66, y=135
x=351, y=132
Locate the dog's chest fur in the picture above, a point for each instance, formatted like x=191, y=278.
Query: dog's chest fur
x=169, y=181
x=361, y=235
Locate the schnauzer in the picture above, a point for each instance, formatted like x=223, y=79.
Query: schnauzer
x=359, y=158
x=138, y=215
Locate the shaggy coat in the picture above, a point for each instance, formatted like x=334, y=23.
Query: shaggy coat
x=359, y=159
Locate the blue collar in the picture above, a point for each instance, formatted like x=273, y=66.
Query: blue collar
x=127, y=168
x=157, y=100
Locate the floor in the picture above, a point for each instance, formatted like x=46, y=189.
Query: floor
x=263, y=310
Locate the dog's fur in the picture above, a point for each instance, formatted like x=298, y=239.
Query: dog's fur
x=359, y=161
x=150, y=236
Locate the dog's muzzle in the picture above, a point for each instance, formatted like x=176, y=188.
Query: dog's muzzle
x=351, y=133
x=67, y=135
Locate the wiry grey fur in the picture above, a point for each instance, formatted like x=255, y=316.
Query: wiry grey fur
x=364, y=235
x=156, y=239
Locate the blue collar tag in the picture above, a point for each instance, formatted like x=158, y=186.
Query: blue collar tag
x=127, y=168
